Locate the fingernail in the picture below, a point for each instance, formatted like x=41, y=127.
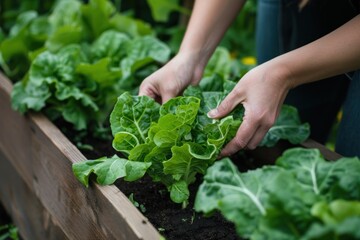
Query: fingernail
x=212, y=113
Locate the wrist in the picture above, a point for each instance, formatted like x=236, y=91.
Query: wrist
x=197, y=56
x=192, y=61
x=282, y=73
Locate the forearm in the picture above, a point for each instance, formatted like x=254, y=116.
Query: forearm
x=336, y=53
x=208, y=23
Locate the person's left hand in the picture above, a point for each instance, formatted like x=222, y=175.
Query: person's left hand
x=262, y=92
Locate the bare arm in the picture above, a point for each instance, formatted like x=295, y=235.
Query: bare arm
x=208, y=23
x=336, y=53
x=262, y=90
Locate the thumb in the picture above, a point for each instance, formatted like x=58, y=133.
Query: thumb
x=226, y=106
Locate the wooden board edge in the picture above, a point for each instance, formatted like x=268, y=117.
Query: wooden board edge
x=327, y=153
x=111, y=198
x=24, y=207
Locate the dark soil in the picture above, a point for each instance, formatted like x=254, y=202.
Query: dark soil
x=169, y=218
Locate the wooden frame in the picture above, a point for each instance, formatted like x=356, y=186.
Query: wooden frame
x=40, y=192
x=46, y=201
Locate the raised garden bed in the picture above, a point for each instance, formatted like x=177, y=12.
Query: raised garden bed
x=45, y=200
x=40, y=192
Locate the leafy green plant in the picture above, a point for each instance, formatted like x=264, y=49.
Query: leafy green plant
x=177, y=139
x=301, y=197
x=161, y=9
x=73, y=77
x=8, y=231
x=70, y=22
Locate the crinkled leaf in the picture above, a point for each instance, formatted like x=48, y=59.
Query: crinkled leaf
x=124, y=142
x=189, y=159
x=24, y=98
x=65, y=13
x=134, y=114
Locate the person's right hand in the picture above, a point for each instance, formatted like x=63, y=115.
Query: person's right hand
x=170, y=80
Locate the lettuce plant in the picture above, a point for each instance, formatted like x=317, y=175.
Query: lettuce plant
x=301, y=197
x=177, y=139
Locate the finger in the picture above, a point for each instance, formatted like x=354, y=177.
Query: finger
x=243, y=136
x=146, y=90
x=257, y=138
x=264, y=127
x=227, y=105
x=166, y=97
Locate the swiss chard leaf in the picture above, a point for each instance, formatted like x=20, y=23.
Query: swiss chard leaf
x=287, y=126
x=332, y=179
x=300, y=198
x=134, y=114
x=109, y=169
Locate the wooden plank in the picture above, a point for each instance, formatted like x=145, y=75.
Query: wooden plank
x=106, y=207
x=14, y=132
x=28, y=214
x=327, y=153
x=42, y=156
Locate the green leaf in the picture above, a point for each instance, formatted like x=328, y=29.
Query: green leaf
x=334, y=179
x=25, y=97
x=64, y=36
x=124, y=142
x=109, y=169
x=134, y=114
x=346, y=230
x=111, y=44
x=66, y=13
x=97, y=14
x=288, y=126
x=161, y=9
x=240, y=197
x=39, y=29
x=179, y=192
x=18, y=42
x=142, y=51
x=100, y=72
x=189, y=159
x=337, y=211
x=219, y=63
x=130, y=26
x=75, y=114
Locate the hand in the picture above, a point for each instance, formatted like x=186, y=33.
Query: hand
x=261, y=91
x=170, y=80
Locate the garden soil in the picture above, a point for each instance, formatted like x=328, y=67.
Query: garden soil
x=153, y=200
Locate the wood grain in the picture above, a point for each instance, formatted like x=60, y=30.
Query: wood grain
x=42, y=157
x=28, y=214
